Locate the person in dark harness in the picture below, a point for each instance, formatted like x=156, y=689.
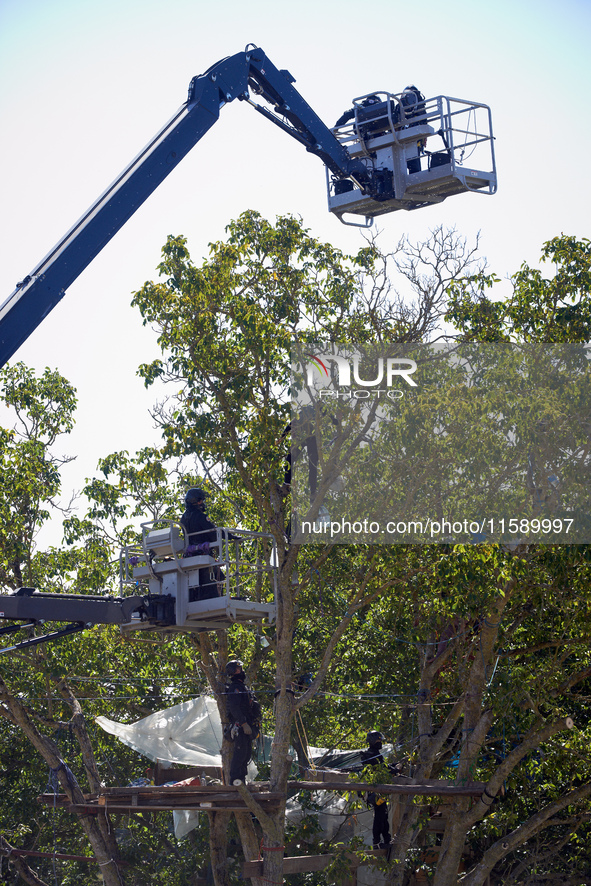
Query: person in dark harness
x=372, y=118
x=348, y=115
x=381, y=827
x=244, y=714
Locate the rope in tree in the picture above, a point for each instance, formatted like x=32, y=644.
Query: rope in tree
x=304, y=742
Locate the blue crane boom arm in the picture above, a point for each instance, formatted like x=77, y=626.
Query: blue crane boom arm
x=80, y=610
x=39, y=292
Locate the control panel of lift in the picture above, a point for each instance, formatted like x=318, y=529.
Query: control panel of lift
x=208, y=585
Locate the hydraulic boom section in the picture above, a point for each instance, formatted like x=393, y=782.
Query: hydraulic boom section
x=39, y=292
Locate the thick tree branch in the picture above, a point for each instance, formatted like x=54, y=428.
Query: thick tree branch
x=521, y=834
x=19, y=864
x=534, y=738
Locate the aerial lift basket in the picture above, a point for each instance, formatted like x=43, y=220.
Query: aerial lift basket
x=239, y=565
x=424, y=154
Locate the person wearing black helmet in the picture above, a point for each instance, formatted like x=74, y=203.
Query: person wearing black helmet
x=373, y=757
x=244, y=714
x=198, y=528
x=200, y=531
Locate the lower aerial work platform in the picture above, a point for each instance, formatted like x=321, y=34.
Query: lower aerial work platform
x=229, y=578
x=209, y=585
x=441, y=147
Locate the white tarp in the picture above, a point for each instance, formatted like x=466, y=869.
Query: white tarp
x=189, y=733
x=332, y=816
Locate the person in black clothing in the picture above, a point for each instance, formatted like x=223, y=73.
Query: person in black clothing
x=373, y=121
x=373, y=757
x=200, y=533
x=244, y=713
x=366, y=103
x=198, y=528
x=413, y=102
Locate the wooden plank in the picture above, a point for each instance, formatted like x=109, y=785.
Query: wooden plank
x=260, y=787
x=429, y=789
x=122, y=807
x=50, y=799
x=433, y=787
x=83, y=810
x=234, y=805
x=132, y=802
x=299, y=864
x=180, y=801
x=177, y=795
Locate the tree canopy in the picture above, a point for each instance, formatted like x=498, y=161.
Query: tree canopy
x=472, y=659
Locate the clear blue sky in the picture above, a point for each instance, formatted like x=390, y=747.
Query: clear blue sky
x=85, y=84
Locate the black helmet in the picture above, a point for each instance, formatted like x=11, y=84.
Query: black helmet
x=374, y=738
x=233, y=667
x=194, y=495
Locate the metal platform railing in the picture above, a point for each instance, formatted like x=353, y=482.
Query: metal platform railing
x=244, y=563
x=462, y=126
x=436, y=148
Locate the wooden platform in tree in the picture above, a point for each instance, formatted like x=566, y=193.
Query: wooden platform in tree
x=218, y=798
x=162, y=798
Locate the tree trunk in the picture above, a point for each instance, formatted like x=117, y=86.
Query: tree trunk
x=249, y=840
x=274, y=827
x=103, y=851
x=90, y=767
x=218, y=846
